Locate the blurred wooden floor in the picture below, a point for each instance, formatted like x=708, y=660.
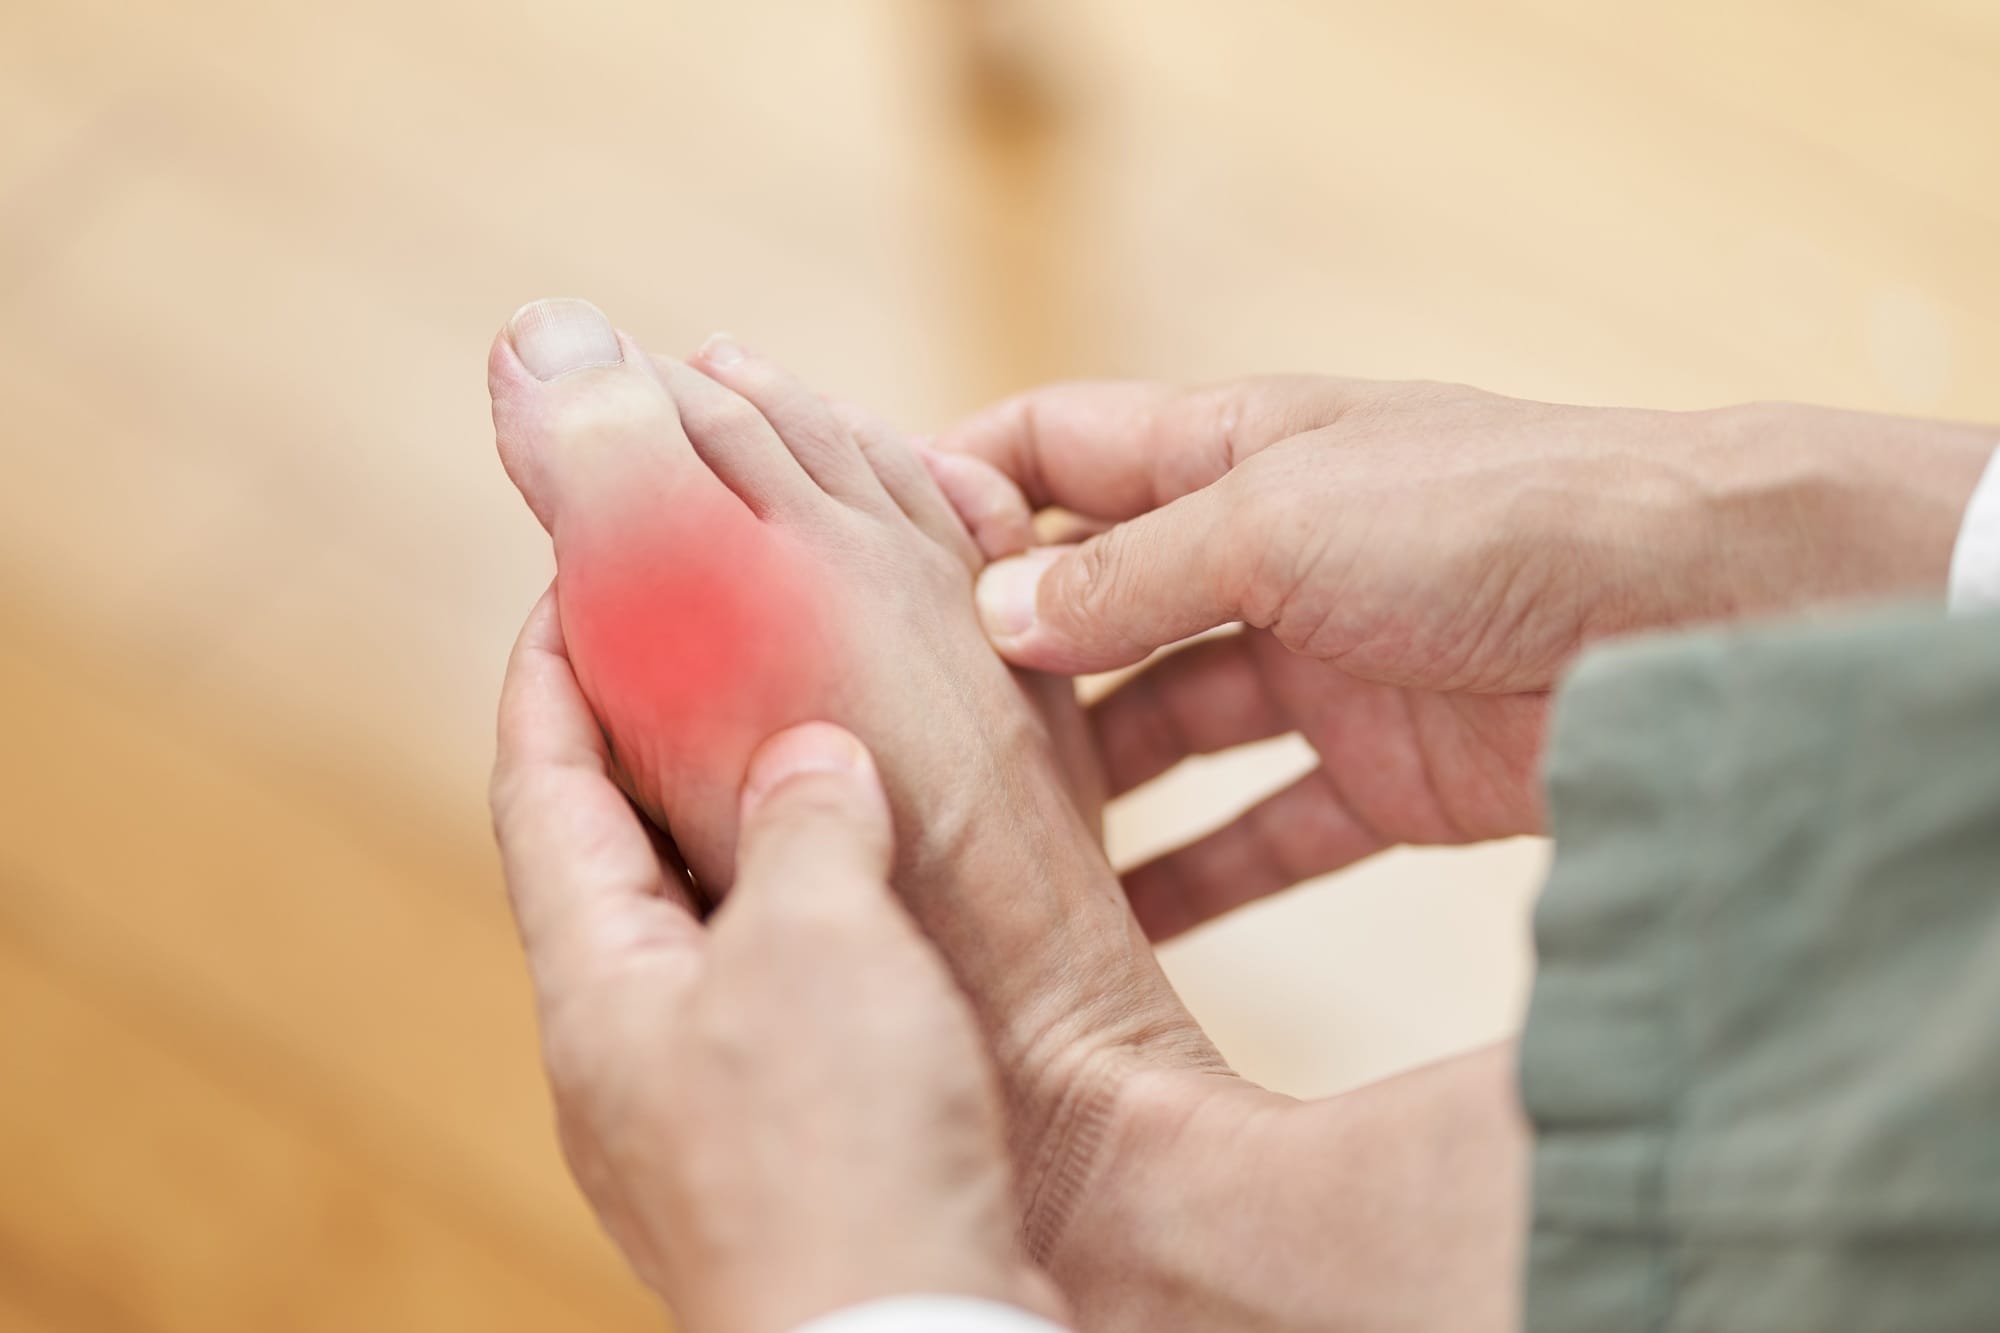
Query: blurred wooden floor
x=265, y=1058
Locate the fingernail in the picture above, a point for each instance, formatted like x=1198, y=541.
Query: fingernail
x=1008, y=590
x=815, y=747
x=721, y=351
x=556, y=336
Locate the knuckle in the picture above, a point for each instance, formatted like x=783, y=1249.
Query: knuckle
x=572, y=1073
x=511, y=793
x=1252, y=495
x=1098, y=581
x=722, y=416
x=500, y=797
x=505, y=799
x=1262, y=540
x=508, y=786
x=606, y=407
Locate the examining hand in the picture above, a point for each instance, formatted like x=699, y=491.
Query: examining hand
x=784, y=1112
x=790, y=1112
x=1416, y=564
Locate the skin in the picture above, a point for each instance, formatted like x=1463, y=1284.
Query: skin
x=1065, y=988
x=1414, y=566
x=1144, y=1172
x=685, y=1084
x=1156, y=1188
x=859, y=1043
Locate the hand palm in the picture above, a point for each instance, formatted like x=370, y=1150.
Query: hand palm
x=1396, y=766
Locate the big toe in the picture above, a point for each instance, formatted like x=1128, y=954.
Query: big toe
x=692, y=625
x=578, y=407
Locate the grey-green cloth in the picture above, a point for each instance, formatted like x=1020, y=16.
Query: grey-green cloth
x=1763, y=1053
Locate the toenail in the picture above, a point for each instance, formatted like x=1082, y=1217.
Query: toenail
x=1008, y=590
x=553, y=337
x=721, y=351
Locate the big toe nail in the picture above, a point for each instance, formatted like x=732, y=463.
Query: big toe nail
x=553, y=337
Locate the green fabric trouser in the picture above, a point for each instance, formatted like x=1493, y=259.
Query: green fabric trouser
x=1763, y=1053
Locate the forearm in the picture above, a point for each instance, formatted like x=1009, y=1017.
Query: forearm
x=1400, y=1205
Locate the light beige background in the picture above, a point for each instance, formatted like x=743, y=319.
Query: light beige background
x=265, y=1056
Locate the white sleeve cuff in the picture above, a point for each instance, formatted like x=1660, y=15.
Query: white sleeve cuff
x=930, y=1314
x=1975, y=560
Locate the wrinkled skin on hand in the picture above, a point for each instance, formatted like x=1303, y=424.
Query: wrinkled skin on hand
x=1416, y=565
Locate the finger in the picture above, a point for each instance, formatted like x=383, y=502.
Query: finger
x=1140, y=585
x=1206, y=697
x=1113, y=449
x=990, y=505
x=582, y=874
x=1059, y=527
x=1303, y=831
x=815, y=832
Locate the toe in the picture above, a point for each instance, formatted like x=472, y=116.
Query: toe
x=802, y=419
x=743, y=449
x=991, y=506
x=577, y=407
x=907, y=480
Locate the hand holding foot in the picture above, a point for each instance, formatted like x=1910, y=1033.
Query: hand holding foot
x=674, y=493
x=1416, y=564
x=691, y=1154
x=732, y=561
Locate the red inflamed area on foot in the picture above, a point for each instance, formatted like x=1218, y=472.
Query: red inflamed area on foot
x=697, y=637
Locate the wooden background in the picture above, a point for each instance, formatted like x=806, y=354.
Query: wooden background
x=265, y=1053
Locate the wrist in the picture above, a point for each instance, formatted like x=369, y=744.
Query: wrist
x=1067, y=989
x=1172, y=1228
x=1412, y=1192
x=1086, y=1107
x=1805, y=506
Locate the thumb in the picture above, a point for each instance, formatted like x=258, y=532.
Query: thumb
x=815, y=823
x=1140, y=585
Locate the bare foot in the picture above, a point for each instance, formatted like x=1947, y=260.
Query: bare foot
x=732, y=561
